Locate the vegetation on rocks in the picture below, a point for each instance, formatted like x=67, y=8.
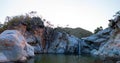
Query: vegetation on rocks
x=35, y=21
x=30, y=21
x=104, y=43
x=98, y=29
x=78, y=32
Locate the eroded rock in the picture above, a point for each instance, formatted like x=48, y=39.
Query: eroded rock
x=12, y=46
x=94, y=41
x=64, y=43
x=111, y=49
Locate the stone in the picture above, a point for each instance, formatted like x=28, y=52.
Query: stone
x=29, y=50
x=12, y=46
x=94, y=52
x=94, y=41
x=101, y=36
x=118, y=62
x=3, y=58
x=30, y=38
x=111, y=49
x=64, y=43
x=36, y=40
x=58, y=45
x=37, y=49
x=73, y=44
x=61, y=48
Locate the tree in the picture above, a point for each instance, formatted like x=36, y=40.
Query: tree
x=29, y=19
x=98, y=29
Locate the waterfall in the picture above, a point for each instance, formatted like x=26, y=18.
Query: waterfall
x=79, y=47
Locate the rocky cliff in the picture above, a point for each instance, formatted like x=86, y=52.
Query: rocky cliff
x=29, y=35
x=106, y=43
x=13, y=46
x=111, y=49
x=49, y=40
x=93, y=42
x=26, y=35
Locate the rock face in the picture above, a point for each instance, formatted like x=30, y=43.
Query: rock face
x=64, y=43
x=94, y=41
x=56, y=42
x=49, y=40
x=35, y=35
x=29, y=50
x=42, y=39
x=111, y=49
x=13, y=46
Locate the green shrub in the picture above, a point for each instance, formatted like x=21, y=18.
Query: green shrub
x=78, y=32
x=30, y=22
x=98, y=29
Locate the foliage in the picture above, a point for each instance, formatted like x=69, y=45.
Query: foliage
x=117, y=14
x=28, y=19
x=98, y=29
x=78, y=32
x=14, y=21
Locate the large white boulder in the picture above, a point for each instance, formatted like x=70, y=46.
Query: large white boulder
x=12, y=46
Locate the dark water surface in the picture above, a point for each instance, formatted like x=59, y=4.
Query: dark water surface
x=61, y=58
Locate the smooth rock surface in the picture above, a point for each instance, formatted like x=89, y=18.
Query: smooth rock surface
x=12, y=46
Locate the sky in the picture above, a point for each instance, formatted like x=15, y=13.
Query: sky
x=87, y=14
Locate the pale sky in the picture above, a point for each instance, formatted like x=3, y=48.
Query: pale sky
x=87, y=14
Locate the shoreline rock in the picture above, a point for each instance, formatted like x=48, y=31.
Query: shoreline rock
x=12, y=46
x=111, y=49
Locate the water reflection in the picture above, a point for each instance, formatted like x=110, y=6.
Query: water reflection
x=60, y=58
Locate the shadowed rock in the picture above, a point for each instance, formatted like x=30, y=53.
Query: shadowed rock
x=94, y=41
x=111, y=49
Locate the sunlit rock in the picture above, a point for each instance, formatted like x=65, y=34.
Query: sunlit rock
x=12, y=46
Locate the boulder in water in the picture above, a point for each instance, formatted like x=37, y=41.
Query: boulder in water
x=12, y=46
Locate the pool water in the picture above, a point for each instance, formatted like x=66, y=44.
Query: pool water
x=61, y=58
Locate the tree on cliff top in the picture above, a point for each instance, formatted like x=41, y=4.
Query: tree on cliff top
x=98, y=29
x=29, y=20
x=33, y=21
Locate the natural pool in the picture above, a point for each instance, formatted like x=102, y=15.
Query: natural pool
x=61, y=58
